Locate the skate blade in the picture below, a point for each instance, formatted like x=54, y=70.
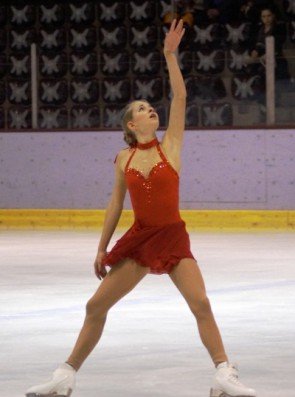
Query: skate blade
x=220, y=393
x=54, y=394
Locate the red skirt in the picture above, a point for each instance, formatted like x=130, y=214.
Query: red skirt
x=157, y=247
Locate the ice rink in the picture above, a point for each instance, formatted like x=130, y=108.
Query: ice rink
x=150, y=346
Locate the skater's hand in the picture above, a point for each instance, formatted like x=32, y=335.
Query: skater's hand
x=174, y=36
x=99, y=268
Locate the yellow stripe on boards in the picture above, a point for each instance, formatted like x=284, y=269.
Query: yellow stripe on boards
x=44, y=219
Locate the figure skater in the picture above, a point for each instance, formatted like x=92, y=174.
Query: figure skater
x=156, y=243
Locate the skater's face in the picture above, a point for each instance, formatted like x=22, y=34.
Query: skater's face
x=144, y=118
x=267, y=17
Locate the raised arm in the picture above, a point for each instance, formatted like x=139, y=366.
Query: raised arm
x=173, y=136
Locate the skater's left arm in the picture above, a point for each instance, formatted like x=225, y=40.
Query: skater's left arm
x=174, y=134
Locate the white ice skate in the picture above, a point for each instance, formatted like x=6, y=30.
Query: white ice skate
x=61, y=384
x=227, y=384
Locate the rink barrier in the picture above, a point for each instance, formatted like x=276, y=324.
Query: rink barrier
x=44, y=219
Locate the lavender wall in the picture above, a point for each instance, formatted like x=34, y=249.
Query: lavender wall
x=244, y=169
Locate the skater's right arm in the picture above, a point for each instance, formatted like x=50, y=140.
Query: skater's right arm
x=116, y=202
x=113, y=213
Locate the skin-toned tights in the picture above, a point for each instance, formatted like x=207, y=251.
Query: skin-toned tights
x=121, y=279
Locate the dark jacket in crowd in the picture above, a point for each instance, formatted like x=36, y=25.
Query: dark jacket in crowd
x=279, y=33
x=229, y=10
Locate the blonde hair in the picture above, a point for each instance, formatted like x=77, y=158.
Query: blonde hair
x=129, y=136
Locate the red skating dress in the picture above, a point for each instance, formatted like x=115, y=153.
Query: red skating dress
x=158, y=237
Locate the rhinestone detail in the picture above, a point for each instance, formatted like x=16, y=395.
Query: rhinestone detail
x=146, y=181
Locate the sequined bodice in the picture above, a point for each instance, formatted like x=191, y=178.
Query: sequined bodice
x=154, y=196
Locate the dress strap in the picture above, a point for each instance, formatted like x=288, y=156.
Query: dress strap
x=130, y=157
x=162, y=155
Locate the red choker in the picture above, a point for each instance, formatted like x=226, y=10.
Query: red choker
x=147, y=145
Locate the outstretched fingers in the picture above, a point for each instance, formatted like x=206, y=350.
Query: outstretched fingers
x=174, y=36
x=172, y=27
x=179, y=26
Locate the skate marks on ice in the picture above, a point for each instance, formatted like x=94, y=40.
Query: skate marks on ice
x=46, y=279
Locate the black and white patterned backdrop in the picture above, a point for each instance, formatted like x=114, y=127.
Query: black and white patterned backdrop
x=95, y=57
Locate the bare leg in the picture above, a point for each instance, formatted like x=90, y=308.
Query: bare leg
x=120, y=280
x=188, y=279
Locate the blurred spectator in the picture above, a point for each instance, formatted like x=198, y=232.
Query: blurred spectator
x=270, y=27
x=222, y=11
x=199, y=12
x=251, y=9
x=184, y=9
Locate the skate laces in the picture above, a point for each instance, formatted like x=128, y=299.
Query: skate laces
x=234, y=379
x=233, y=375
